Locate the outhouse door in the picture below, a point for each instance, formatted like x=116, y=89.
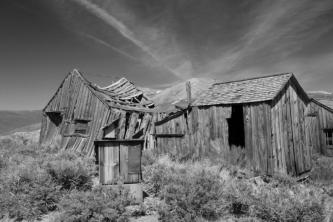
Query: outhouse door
x=119, y=160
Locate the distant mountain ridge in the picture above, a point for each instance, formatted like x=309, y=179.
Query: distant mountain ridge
x=11, y=121
x=165, y=99
x=324, y=97
x=321, y=95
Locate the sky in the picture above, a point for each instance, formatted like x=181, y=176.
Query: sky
x=156, y=43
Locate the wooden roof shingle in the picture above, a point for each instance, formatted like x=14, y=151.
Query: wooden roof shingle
x=244, y=91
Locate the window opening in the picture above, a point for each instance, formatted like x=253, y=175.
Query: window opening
x=55, y=117
x=329, y=137
x=81, y=126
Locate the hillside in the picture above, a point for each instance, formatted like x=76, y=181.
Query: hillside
x=150, y=93
x=325, y=98
x=165, y=98
x=12, y=120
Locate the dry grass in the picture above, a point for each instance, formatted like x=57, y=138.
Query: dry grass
x=35, y=181
x=242, y=196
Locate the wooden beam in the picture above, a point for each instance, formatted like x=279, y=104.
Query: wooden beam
x=188, y=92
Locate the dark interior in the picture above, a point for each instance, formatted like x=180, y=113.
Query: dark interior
x=55, y=117
x=236, y=127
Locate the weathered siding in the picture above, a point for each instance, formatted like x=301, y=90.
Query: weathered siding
x=319, y=118
x=204, y=130
x=258, y=140
x=76, y=101
x=291, y=154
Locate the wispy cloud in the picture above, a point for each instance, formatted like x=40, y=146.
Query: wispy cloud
x=108, y=45
x=279, y=29
x=115, y=23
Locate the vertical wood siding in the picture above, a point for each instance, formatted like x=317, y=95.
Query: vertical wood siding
x=204, y=129
x=275, y=138
x=291, y=153
x=318, y=119
x=119, y=160
x=258, y=140
x=77, y=101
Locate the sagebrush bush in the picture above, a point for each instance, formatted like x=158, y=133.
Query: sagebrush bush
x=192, y=197
x=322, y=171
x=192, y=191
x=149, y=157
x=33, y=179
x=276, y=202
x=28, y=193
x=99, y=204
x=71, y=171
x=187, y=195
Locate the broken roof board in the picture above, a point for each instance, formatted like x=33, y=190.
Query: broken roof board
x=118, y=94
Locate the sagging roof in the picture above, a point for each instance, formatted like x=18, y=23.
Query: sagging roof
x=245, y=91
x=122, y=90
x=122, y=93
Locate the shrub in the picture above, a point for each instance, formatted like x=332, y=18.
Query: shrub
x=71, y=171
x=100, y=204
x=148, y=157
x=188, y=195
x=322, y=171
x=192, y=191
x=269, y=202
x=193, y=197
x=33, y=179
x=28, y=193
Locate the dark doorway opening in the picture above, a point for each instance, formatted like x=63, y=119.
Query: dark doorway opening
x=236, y=127
x=55, y=117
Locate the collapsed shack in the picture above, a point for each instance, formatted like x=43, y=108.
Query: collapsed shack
x=263, y=115
x=81, y=113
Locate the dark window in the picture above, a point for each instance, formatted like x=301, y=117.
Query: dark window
x=81, y=126
x=55, y=117
x=329, y=137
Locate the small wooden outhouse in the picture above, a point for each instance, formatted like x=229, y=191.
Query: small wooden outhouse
x=119, y=161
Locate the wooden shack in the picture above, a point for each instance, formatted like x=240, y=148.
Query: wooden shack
x=81, y=113
x=264, y=116
x=319, y=125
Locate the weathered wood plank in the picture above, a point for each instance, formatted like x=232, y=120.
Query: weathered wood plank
x=123, y=159
x=131, y=126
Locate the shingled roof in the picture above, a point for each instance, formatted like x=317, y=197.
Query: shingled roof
x=244, y=91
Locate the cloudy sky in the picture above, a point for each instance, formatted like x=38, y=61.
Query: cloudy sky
x=155, y=43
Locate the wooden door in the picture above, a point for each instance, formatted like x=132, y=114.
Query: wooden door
x=119, y=160
x=109, y=163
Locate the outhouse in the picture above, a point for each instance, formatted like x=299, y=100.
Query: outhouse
x=119, y=160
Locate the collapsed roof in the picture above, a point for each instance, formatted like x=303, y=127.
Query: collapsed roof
x=121, y=94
